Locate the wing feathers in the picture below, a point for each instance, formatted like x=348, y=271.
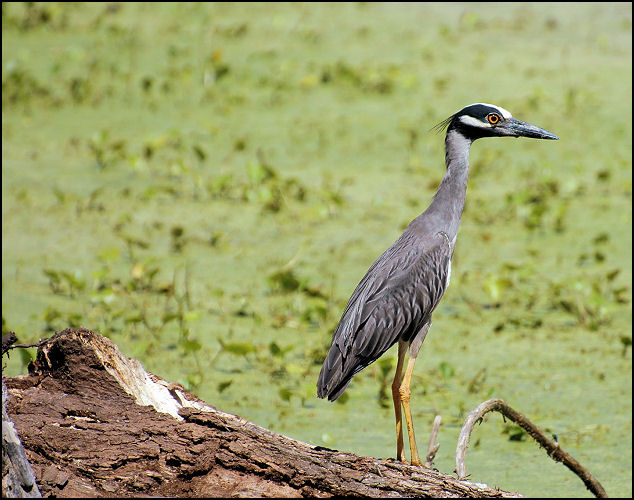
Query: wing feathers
x=393, y=300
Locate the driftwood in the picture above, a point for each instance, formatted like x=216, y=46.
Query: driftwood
x=94, y=423
x=434, y=446
x=552, y=448
x=7, y=340
x=18, y=480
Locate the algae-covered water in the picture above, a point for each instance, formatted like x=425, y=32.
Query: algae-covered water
x=206, y=184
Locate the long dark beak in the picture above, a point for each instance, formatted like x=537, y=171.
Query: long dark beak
x=517, y=128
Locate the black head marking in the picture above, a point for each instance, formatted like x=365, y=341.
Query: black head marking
x=466, y=120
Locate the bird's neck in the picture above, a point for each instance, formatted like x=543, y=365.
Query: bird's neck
x=450, y=198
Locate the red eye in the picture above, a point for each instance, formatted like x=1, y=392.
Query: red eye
x=493, y=118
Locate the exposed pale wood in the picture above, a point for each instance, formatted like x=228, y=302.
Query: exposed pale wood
x=552, y=448
x=18, y=479
x=433, y=447
x=94, y=423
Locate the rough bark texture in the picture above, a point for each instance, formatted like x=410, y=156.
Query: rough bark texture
x=94, y=423
x=18, y=480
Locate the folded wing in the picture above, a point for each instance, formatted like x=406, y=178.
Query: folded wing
x=393, y=301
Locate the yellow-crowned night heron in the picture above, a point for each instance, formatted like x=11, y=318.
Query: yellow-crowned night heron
x=395, y=299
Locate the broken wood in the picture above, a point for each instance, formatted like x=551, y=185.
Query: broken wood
x=7, y=340
x=433, y=447
x=18, y=480
x=551, y=447
x=95, y=423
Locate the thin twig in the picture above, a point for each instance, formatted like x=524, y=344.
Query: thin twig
x=9, y=339
x=433, y=445
x=552, y=448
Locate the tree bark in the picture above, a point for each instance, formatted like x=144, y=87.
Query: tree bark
x=95, y=423
x=18, y=480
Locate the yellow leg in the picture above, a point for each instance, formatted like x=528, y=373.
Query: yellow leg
x=405, y=393
x=396, y=396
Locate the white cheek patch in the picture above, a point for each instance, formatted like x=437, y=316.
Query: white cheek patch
x=505, y=113
x=474, y=122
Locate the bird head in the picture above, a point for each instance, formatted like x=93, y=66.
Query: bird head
x=487, y=120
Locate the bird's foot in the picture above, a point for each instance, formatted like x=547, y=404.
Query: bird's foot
x=415, y=462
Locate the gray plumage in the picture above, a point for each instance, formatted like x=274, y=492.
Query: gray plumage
x=397, y=296
x=395, y=306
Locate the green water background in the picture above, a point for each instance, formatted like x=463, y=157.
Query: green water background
x=206, y=184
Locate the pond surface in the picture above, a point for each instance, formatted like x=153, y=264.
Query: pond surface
x=206, y=185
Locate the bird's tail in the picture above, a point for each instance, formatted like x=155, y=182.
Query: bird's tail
x=336, y=373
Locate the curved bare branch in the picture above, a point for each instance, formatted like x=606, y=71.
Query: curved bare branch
x=552, y=448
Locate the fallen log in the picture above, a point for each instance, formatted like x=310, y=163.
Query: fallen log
x=552, y=447
x=94, y=423
x=18, y=480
